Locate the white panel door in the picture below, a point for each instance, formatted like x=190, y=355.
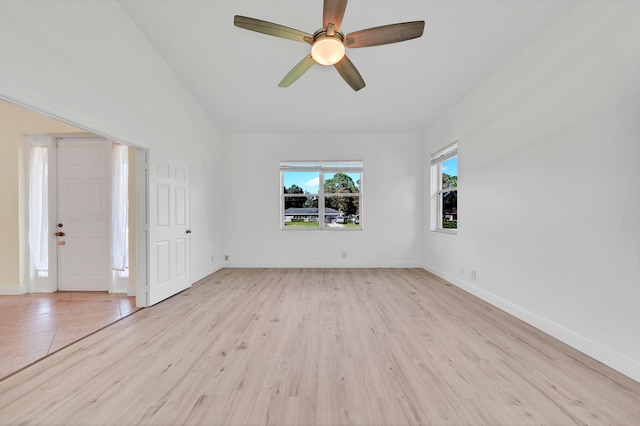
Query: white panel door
x=83, y=214
x=169, y=232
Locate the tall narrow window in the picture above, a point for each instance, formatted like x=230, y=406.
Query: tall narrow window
x=39, y=209
x=444, y=190
x=321, y=194
x=120, y=208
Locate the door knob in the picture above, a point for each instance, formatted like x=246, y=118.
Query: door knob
x=60, y=225
x=188, y=231
x=60, y=234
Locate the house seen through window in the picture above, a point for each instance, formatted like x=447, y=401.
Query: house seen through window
x=321, y=194
x=444, y=192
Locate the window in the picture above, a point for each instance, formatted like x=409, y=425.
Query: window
x=321, y=194
x=38, y=208
x=444, y=190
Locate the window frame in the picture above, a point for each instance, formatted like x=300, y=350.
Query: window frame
x=437, y=192
x=322, y=168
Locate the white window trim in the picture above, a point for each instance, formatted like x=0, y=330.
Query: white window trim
x=322, y=167
x=437, y=159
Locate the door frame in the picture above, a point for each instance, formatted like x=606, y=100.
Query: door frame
x=49, y=284
x=142, y=226
x=142, y=197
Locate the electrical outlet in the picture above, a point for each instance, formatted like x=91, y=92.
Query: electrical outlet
x=226, y=257
x=212, y=258
x=344, y=254
x=473, y=274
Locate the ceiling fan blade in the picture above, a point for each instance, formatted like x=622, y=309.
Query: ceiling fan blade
x=386, y=34
x=272, y=29
x=333, y=13
x=297, y=71
x=350, y=74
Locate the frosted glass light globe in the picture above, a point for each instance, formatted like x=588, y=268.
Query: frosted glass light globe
x=327, y=51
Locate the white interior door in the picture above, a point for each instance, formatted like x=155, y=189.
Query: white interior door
x=83, y=214
x=169, y=232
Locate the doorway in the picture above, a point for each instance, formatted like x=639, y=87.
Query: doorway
x=159, y=232
x=79, y=238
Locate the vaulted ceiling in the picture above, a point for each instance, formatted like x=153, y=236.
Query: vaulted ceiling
x=234, y=73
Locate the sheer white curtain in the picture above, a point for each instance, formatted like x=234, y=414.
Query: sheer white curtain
x=120, y=208
x=38, y=208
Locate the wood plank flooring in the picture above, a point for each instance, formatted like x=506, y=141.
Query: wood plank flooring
x=319, y=347
x=37, y=324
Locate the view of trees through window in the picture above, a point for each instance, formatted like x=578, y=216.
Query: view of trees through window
x=337, y=189
x=444, y=190
x=321, y=193
x=449, y=193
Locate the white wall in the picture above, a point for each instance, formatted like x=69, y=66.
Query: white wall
x=391, y=201
x=549, y=210
x=85, y=62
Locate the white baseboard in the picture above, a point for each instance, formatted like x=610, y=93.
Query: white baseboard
x=13, y=290
x=120, y=285
x=614, y=360
x=336, y=264
x=197, y=276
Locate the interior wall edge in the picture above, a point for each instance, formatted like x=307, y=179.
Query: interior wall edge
x=609, y=358
x=54, y=113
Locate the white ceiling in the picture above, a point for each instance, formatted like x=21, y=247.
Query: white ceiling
x=234, y=73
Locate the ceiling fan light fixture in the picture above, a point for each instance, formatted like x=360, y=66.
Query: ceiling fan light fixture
x=328, y=44
x=327, y=50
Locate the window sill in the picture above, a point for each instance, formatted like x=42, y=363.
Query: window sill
x=336, y=229
x=446, y=231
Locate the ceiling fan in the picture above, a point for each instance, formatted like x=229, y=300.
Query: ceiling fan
x=328, y=43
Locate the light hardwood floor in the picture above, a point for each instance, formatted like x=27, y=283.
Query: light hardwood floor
x=37, y=324
x=319, y=347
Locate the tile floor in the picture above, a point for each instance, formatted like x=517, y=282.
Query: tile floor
x=37, y=324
